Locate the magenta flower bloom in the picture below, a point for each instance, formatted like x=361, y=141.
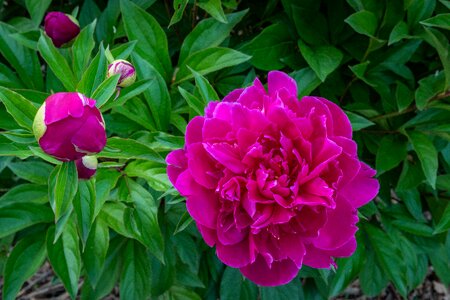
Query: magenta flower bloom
x=68, y=126
x=126, y=71
x=273, y=182
x=60, y=27
x=86, y=166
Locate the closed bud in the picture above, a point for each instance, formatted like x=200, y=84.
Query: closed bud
x=126, y=71
x=68, y=126
x=61, y=28
x=86, y=166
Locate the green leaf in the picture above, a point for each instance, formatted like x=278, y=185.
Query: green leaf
x=440, y=21
x=94, y=75
x=207, y=34
x=25, y=61
x=152, y=41
x=440, y=42
x=157, y=95
x=358, y=122
x=154, y=173
x=205, y=89
x=399, y=32
x=127, y=93
x=307, y=81
x=404, y=96
x=291, y=290
x=413, y=203
x=105, y=181
x=210, y=60
x=23, y=261
x=105, y=90
x=178, y=7
x=268, y=47
x=27, y=39
x=136, y=277
x=419, y=10
x=57, y=63
x=444, y=222
x=82, y=49
x=412, y=226
x=94, y=255
x=37, y=9
x=322, y=59
x=84, y=204
x=363, y=22
x=18, y=107
x=129, y=149
x=64, y=256
x=147, y=217
x=310, y=23
x=372, y=278
x=198, y=105
x=387, y=256
x=25, y=193
x=427, y=154
x=113, y=213
x=231, y=284
x=214, y=8
x=62, y=187
x=33, y=171
x=392, y=151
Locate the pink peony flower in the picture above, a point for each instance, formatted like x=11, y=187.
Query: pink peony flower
x=273, y=182
x=60, y=27
x=68, y=126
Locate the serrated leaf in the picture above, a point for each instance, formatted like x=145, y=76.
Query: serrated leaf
x=56, y=62
x=21, y=109
x=322, y=59
x=363, y=22
x=23, y=261
x=210, y=60
x=64, y=256
x=427, y=154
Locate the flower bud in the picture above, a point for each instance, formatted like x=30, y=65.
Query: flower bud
x=126, y=71
x=86, y=166
x=68, y=126
x=60, y=27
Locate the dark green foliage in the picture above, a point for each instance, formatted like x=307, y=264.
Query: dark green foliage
x=385, y=62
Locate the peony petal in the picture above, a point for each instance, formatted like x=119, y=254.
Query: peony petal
x=340, y=226
x=316, y=258
x=91, y=137
x=278, y=80
x=279, y=273
x=342, y=125
x=194, y=130
x=176, y=164
x=61, y=105
x=362, y=188
x=292, y=246
x=227, y=155
x=236, y=255
x=202, y=166
x=345, y=250
x=209, y=235
x=233, y=96
x=202, y=204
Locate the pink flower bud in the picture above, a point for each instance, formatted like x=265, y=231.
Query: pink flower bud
x=126, y=71
x=68, y=126
x=86, y=166
x=61, y=28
